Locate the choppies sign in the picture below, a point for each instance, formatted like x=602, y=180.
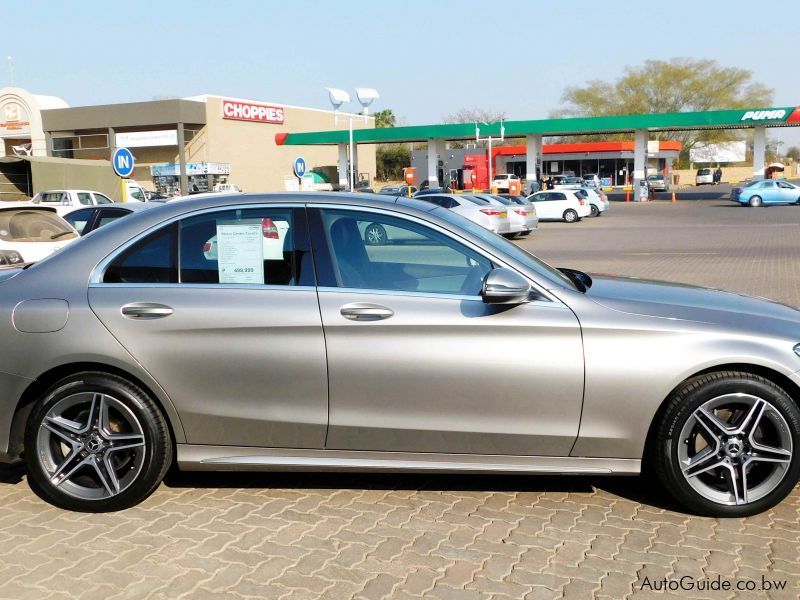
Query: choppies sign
x=251, y=111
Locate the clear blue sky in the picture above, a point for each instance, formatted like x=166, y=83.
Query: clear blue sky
x=427, y=58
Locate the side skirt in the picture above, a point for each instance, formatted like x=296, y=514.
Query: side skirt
x=232, y=458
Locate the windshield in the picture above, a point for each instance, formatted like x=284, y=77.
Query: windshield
x=502, y=245
x=25, y=225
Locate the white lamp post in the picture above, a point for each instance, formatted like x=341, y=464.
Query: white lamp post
x=490, y=138
x=338, y=97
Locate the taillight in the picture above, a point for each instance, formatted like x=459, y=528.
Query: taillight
x=521, y=211
x=582, y=203
x=493, y=212
x=207, y=247
x=269, y=229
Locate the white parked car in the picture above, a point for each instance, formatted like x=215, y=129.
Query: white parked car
x=523, y=218
x=704, y=177
x=598, y=201
x=494, y=218
x=29, y=233
x=567, y=183
x=560, y=205
x=591, y=180
x=65, y=201
x=227, y=188
x=502, y=181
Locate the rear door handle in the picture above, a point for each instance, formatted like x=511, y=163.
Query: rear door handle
x=146, y=310
x=364, y=311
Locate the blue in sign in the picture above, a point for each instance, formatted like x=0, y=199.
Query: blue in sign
x=299, y=166
x=123, y=162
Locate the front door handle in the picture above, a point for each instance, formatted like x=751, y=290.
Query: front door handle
x=146, y=310
x=364, y=311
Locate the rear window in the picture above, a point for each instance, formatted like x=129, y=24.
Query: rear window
x=704, y=171
x=501, y=176
x=25, y=225
x=52, y=197
x=581, y=194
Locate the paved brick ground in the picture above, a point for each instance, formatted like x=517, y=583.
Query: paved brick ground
x=375, y=536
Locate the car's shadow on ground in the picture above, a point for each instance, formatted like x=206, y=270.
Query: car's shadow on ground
x=640, y=489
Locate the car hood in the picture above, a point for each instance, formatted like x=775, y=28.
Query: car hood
x=691, y=303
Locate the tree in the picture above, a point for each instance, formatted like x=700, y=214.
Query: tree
x=677, y=85
x=793, y=152
x=385, y=118
x=473, y=115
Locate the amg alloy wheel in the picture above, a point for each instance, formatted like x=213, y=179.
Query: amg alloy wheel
x=728, y=444
x=96, y=443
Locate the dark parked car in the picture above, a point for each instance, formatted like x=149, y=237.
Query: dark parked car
x=90, y=218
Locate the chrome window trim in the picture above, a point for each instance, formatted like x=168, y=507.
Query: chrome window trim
x=96, y=280
x=543, y=293
x=431, y=295
x=206, y=286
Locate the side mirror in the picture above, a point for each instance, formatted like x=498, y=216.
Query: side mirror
x=504, y=286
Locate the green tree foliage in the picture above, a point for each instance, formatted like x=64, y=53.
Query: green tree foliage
x=385, y=118
x=390, y=159
x=473, y=115
x=677, y=85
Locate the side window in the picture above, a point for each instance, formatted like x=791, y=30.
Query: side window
x=450, y=203
x=255, y=246
x=785, y=186
x=85, y=198
x=137, y=194
x=558, y=196
x=107, y=215
x=102, y=199
x=407, y=257
x=152, y=259
x=53, y=197
x=80, y=219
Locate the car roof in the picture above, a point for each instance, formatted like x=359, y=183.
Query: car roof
x=71, y=190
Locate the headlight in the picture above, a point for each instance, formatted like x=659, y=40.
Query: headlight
x=10, y=257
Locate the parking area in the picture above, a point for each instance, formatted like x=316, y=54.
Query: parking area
x=400, y=536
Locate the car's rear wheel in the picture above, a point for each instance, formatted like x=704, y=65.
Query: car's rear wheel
x=754, y=201
x=595, y=210
x=570, y=216
x=95, y=442
x=727, y=444
x=375, y=235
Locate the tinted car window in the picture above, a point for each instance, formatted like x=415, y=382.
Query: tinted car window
x=107, y=215
x=80, y=219
x=152, y=259
x=433, y=263
x=255, y=246
x=557, y=196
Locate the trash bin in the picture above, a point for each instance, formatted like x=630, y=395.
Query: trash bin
x=676, y=179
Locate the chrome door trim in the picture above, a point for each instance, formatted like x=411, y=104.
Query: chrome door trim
x=97, y=273
x=544, y=294
x=193, y=457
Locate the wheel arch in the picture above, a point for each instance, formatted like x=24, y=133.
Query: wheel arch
x=46, y=379
x=779, y=379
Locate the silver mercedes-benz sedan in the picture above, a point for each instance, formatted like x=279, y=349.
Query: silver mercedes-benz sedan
x=262, y=332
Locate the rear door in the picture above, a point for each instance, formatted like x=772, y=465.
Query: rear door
x=221, y=309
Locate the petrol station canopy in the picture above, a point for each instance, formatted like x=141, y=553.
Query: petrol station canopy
x=786, y=116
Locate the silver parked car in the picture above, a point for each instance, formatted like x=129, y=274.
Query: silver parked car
x=137, y=348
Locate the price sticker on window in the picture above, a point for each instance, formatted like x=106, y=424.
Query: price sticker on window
x=240, y=253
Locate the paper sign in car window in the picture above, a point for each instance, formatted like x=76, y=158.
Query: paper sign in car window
x=240, y=253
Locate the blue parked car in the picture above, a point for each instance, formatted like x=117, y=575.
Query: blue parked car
x=766, y=191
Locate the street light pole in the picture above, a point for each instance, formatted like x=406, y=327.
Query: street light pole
x=490, y=138
x=365, y=98
x=352, y=160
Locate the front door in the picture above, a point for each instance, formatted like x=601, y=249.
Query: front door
x=222, y=311
x=418, y=363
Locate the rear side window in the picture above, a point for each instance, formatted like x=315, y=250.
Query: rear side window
x=557, y=196
x=153, y=259
x=102, y=199
x=80, y=219
x=106, y=216
x=85, y=198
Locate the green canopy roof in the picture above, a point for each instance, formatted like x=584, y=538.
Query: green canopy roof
x=713, y=119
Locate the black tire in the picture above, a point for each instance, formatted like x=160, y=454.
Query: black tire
x=525, y=233
x=595, y=212
x=680, y=415
x=570, y=216
x=755, y=201
x=375, y=235
x=136, y=471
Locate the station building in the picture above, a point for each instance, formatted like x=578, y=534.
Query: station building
x=186, y=145
x=612, y=162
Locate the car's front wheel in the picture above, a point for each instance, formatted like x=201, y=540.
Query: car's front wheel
x=95, y=442
x=727, y=444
